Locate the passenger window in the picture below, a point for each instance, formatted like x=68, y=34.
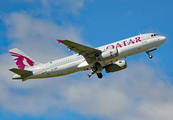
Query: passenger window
x=151, y=35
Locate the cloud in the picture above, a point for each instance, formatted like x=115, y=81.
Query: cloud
x=37, y=38
x=138, y=92
x=64, y=6
x=74, y=6
x=135, y=93
x=39, y=35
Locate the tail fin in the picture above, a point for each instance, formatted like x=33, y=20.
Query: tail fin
x=21, y=59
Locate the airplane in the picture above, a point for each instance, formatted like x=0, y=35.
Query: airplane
x=106, y=57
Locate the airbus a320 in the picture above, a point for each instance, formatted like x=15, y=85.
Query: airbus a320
x=106, y=57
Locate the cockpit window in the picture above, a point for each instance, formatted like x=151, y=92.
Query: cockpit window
x=154, y=35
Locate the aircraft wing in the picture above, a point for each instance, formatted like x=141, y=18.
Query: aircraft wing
x=80, y=49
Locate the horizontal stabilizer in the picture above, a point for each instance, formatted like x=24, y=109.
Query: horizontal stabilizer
x=20, y=72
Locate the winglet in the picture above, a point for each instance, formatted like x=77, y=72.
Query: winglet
x=89, y=75
x=59, y=41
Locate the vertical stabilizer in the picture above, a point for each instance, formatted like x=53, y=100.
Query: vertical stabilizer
x=21, y=59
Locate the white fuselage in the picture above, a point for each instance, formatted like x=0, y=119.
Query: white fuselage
x=75, y=63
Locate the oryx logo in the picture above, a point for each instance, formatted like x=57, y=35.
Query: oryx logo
x=21, y=61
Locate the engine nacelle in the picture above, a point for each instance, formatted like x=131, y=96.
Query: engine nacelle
x=108, y=54
x=119, y=65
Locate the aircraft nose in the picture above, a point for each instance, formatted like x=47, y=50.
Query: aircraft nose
x=163, y=38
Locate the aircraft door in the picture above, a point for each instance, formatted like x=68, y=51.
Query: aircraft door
x=43, y=68
x=44, y=72
x=144, y=39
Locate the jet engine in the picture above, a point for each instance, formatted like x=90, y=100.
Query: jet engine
x=110, y=53
x=119, y=65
